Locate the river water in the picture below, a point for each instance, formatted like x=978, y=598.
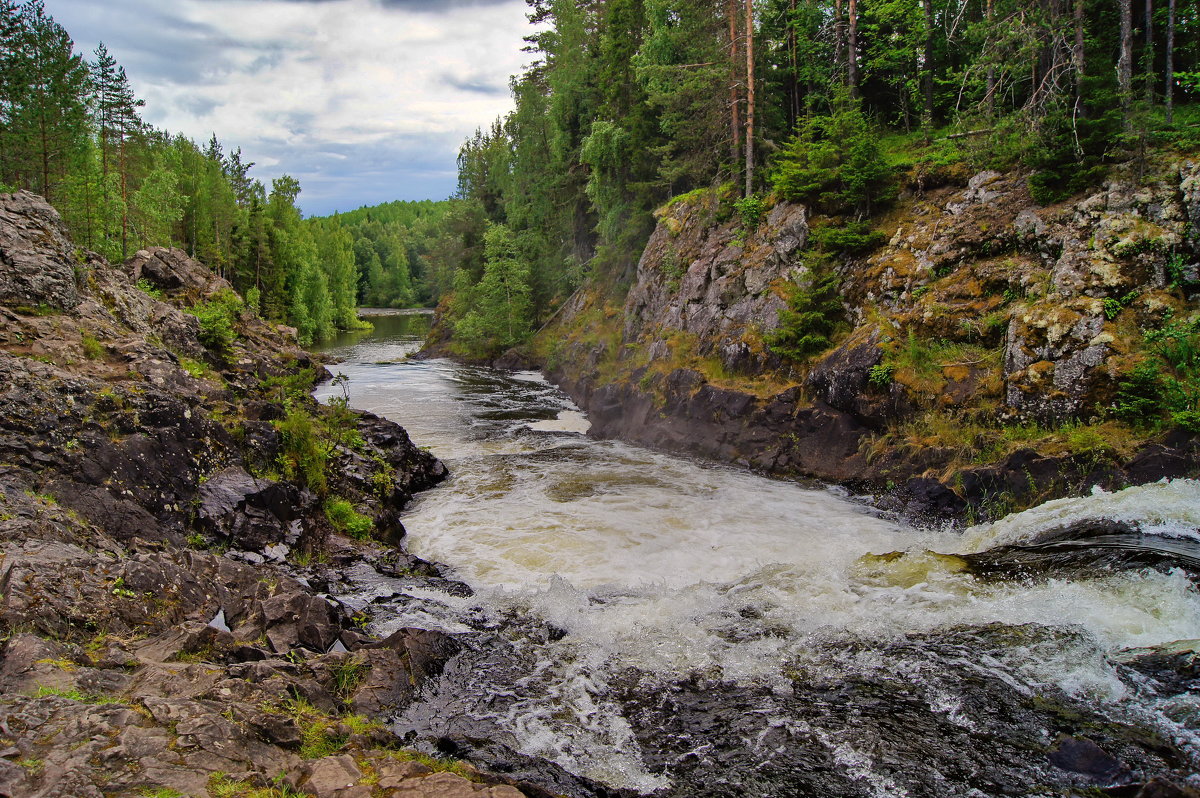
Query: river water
x=655, y=623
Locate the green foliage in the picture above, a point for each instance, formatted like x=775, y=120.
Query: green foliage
x=880, y=376
x=218, y=318
x=304, y=456
x=346, y=520
x=1165, y=387
x=751, y=211
x=1139, y=399
x=813, y=313
x=496, y=313
x=92, y=349
x=222, y=786
x=75, y=695
x=193, y=367
x=147, y=287
x=851, y=238
x=1074, y=148
x=834, y=162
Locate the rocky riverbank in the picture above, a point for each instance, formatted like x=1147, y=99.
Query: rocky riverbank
x=985, y=358
x=174, y=510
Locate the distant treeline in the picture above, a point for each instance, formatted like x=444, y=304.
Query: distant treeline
x=70, y=129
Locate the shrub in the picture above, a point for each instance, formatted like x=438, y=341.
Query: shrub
x=835, y=163
x=1140, y=396
x=347, y=520
x=304, y=456
x=218, y=317
x=852, y=238
x=1073, y=149
x=881, y=376
x=751, y=211
x=811, y=317
x=147, y=287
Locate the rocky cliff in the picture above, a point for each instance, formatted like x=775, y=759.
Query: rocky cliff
x=978, y=366
x=172, y=503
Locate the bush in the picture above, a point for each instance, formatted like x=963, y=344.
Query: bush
x=1073, y=149
x=835, y=163
x=218, y=317
x=304, y=456
x=811, y=317
x=1140, y=396
x=852, y=238
x=347, y=520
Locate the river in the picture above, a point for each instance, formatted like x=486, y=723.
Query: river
x=655, y=623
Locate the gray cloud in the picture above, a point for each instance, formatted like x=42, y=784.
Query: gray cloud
x=477, y=83
x=363, y=101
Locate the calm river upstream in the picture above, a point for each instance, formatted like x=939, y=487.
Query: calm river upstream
x=651, y=622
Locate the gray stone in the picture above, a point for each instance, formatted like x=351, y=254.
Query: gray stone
x=37, y=258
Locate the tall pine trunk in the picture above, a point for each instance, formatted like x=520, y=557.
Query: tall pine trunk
x=1125, y=61
x=852, y=48
x=735, y=98
x=927, y=70
x=1169, y=89
x=839, y=40
x=1148, y=52
x=750, y=97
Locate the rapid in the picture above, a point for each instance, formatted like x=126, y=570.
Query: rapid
x=651, y=623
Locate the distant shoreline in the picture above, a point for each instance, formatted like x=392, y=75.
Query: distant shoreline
x=393, y=311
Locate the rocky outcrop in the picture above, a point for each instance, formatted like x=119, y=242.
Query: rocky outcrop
x=981, y=310
x=164, y=548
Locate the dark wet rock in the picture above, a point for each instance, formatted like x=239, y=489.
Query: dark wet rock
x=1081, y=755
x=131, y=663
x=842, y=380
x=398, y=666
x=250, y=513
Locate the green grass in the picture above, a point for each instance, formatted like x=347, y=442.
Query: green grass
x=44, y=691
x=92, y=349
x=223, y=786
x=346, y=520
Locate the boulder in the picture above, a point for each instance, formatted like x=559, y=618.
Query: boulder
x=250, y=513
x=37, y=258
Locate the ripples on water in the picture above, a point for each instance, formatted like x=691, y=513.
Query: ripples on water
x=673, y=567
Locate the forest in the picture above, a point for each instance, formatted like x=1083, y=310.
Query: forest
x=626, y=104
x=70, y=130
x=837, y=103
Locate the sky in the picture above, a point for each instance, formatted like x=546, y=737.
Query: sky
x=362, y=101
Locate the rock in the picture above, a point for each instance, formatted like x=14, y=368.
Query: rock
x=37, y=258
x=1081, y=755
x=842, y=379
x=1162, y=788
x=172, y=270
x=251, y=513
x=331, y=776
x=397, y=668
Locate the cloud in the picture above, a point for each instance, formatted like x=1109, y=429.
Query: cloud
x=361, y=100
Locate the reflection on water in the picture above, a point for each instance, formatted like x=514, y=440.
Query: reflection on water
x=674, y=567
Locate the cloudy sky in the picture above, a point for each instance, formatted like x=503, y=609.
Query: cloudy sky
x=363, y=101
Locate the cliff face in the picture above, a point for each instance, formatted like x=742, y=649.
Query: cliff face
x=166, y=543
x=982, y=350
